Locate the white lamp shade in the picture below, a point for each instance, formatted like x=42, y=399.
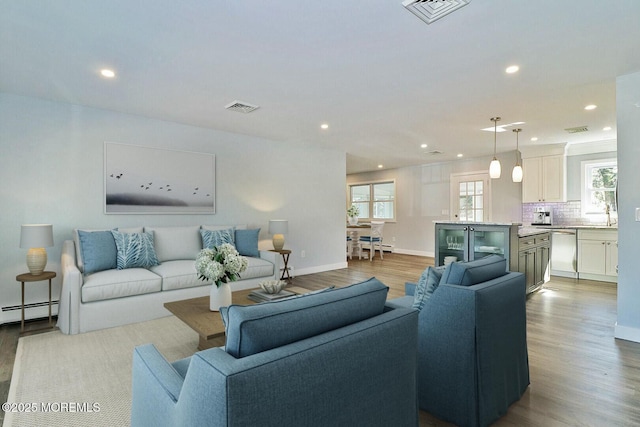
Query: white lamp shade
x=36, y=236
x=278, y=227
x=516, y=175
x=494, y=168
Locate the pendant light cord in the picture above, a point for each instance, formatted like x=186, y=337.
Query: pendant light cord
x=495, y=134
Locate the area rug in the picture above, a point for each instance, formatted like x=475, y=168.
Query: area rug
x=85, y=379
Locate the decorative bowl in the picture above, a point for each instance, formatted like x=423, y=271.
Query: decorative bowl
x=272, y=286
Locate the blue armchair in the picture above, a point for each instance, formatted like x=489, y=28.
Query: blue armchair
x=472, y=344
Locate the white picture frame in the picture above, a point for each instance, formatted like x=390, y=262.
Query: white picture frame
x=147, y=180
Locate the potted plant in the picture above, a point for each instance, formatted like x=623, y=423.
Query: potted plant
x=353, y=213
x=222, y=265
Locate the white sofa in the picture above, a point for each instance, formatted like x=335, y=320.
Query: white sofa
x=92, y=300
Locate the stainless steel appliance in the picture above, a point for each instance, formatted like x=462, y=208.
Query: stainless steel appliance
x=564, y=245
x=542, y=216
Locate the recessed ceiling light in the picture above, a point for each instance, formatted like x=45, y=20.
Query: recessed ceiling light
x=324, y=126
x=459, y=155
x=105, y=72
x=423, y=145
x=534, y=139
x=591, y=107
x=512, y=69
x=380, y=166
x=606, y=128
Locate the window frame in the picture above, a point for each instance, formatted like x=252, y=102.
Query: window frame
x=587, y=208
x=372, y=200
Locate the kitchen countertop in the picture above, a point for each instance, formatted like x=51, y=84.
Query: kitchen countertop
x=576, y=227
x=530, y=230
x=475, y=223
x=527, y=231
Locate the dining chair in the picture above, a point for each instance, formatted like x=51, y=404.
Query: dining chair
x=374, y=239
x=351, y=246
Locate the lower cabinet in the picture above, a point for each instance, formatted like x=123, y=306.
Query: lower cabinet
x=533, y=259
x=598, y=255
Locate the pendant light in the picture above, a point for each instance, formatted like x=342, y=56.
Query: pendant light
x=516, y=175
x=494, y=167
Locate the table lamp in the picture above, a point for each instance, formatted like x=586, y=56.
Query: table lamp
x=278, y=227
x=36, y=237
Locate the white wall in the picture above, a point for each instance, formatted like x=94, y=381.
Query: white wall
x=51, y=170
x=628, y=124
x=423, y=197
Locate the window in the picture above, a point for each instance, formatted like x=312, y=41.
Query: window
x=375, y=200
x=599, y=183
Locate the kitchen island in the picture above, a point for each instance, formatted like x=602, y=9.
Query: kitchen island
x=527, y=249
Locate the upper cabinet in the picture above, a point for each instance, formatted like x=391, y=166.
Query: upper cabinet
x=544, y=178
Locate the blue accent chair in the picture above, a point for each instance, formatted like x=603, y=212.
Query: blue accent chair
x=472, y=342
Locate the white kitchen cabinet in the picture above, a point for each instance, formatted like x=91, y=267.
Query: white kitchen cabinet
x=598, y=255
x=544, y=179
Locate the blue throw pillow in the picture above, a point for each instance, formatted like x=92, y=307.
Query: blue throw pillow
x=98, y=250
x=247, y=242
x=135, y=250
x=213, y=238
x=476, y=271
x=428, y=283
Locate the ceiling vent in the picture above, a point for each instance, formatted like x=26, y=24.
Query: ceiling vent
x=434, y=152
x=241, y=107
x=577, y=129
x=432, y=10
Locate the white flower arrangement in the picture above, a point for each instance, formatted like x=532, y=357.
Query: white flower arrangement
x=221, y=264
x=353, y=211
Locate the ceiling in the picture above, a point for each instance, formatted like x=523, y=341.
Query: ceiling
x=383, y=80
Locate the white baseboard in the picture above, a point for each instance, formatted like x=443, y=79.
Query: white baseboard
x=598, y=277
x=321, y=268
x=627, y=333
x=412, y=252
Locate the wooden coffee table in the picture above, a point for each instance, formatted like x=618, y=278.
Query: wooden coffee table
x=208, y=324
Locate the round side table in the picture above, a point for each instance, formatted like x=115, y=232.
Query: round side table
x=28, y=277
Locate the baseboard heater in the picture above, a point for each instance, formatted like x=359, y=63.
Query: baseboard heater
x=385, y=247
x=31, y=305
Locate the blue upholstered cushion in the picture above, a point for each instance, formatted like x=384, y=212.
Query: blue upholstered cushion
x=134, y=250
x=247, y=242
x=429, y=281
x=369, y=239
x=474, y=272
x=213, y=238
x=256, y=328
x=98, y=250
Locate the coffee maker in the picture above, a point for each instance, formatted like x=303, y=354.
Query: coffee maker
x=542, y=216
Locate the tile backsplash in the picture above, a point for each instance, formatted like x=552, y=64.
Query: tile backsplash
x=566, y=213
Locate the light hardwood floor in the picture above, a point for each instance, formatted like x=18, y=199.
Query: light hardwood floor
x=580, y=374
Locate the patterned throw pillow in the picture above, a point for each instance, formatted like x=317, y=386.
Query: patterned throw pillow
x=428, y=283
x=213, y=238
x=134, y=250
